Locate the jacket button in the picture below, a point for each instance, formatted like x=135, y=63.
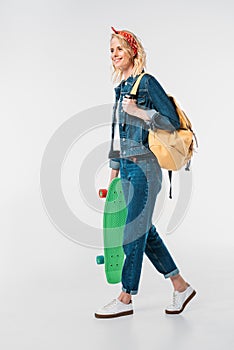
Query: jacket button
x=124, y=139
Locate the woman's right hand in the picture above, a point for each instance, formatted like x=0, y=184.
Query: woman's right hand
x=114, y=174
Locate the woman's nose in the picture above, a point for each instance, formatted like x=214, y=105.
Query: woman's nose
x=114, y=53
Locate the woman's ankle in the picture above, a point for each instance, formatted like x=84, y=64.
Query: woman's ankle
x=182, y=287
x=125, y=298
x=179, y=284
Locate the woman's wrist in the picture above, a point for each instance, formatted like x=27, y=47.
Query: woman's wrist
x=142, y=114
x=114, y=174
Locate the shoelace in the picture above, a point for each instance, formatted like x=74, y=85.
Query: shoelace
x=111, y=304
x=174, y=299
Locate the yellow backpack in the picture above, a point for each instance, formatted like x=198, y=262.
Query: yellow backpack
x=172, y=149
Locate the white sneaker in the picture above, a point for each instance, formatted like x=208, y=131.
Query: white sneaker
x=115, y=309
x=180, y=300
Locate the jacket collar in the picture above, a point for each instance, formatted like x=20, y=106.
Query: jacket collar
x=130, y=81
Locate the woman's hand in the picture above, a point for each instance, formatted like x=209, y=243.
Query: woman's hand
x=114, y=174
x=130, y=107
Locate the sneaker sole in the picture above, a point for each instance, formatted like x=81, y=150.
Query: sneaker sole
x=176, y=312
x=125, y=313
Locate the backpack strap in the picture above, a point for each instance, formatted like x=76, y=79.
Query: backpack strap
x=170, y=180
x=133, y=94
x=136, y=85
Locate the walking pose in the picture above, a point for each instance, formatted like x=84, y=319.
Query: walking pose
x=140, y=173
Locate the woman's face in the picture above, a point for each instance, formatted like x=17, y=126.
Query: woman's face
x=119, y=57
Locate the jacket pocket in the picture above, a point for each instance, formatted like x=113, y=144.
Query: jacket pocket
x=141, y=101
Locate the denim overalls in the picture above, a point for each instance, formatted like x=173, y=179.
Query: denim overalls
x=141, y=178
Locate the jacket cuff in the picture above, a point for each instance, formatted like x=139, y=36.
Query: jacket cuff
x=159, y=121
x=114, y=164
x=151, y=112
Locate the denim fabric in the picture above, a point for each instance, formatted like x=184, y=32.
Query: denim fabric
x=133, y=130
x=141, y=181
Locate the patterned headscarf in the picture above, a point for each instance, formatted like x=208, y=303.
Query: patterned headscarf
x=132, y=42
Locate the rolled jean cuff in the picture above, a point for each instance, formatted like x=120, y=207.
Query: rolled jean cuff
x=172, y=273
x=132, y=292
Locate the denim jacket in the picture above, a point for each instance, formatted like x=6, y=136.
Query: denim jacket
x=133, y=130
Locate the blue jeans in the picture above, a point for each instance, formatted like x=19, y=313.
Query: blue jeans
x=141, y=181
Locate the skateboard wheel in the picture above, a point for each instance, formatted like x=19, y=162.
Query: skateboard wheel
x=102, y=193
x=100, y=259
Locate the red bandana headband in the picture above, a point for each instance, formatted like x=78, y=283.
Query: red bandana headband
x=132, y=42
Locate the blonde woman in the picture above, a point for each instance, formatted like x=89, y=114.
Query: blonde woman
x=140, y=173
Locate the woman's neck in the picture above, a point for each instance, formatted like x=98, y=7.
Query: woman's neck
x=127, y=72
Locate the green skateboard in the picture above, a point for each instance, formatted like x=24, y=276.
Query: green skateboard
x=114, y=218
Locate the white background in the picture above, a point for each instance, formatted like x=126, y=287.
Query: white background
x=54, y=64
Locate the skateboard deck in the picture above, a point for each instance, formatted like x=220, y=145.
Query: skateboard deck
x=114, y=218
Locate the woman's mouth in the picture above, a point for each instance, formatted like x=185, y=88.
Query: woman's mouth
x=116, y=60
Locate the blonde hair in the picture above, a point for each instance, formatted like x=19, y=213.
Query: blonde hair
x=138, y=60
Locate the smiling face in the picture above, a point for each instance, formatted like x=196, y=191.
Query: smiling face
x=120, y=57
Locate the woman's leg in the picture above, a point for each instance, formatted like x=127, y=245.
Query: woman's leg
x=141, y=184
x=159, y=255
x=179, y=283
x=137, y=180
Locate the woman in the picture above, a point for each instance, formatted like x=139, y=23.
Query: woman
x=140, y=173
